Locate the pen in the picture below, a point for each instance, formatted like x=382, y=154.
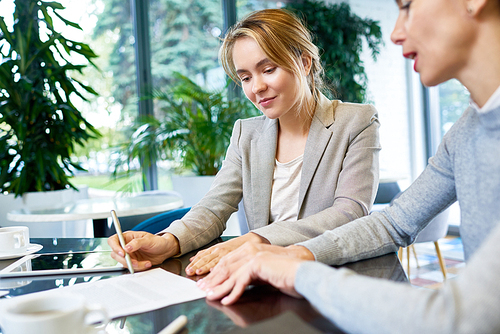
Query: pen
x=175, y=326
x=118, y=229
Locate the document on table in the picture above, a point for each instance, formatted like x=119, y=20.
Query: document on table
x=131, y=294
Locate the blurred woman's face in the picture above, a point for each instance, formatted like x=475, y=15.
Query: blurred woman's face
x=437, y=35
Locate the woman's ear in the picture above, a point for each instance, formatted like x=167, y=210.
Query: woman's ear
x=307, y=63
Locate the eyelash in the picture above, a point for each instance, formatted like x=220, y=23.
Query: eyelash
x=406, y=6
x=268, y=71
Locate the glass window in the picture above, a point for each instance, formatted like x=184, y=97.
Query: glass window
x=388, y=89
x=453, y=100
x=185, y=38
x=245, y=7
x=107, y=27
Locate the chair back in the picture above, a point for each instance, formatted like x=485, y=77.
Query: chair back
x=161, y=221
x=386, y=193
x=436, y=229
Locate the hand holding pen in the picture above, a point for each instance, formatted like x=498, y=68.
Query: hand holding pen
x=118, y=229
x=145, y=249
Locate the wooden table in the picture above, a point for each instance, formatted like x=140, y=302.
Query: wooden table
x=98, y=209
x=257, y=304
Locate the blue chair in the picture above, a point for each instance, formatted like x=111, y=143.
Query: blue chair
x=160, y=222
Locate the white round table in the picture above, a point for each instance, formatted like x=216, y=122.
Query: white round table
x=98, y=209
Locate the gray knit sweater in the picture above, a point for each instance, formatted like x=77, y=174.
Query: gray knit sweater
x=466, y=168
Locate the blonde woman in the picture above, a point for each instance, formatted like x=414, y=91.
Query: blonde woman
x=306, y=166
x=446, y=39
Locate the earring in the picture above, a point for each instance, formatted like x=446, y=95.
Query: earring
x=470, y=9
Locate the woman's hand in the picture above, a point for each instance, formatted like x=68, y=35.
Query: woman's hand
x=277, y=270
x=232, y=262
x=145, y=249
x=206, y=259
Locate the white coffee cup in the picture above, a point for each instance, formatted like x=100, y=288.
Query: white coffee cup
x=14, y=240
x=49, y=314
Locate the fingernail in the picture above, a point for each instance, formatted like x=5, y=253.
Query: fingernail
x=128, y=248
x=224, y=301
x=121, y=254
x=148, y=265
x=210, y=292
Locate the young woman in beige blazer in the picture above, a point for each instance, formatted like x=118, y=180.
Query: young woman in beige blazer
x=333, y=145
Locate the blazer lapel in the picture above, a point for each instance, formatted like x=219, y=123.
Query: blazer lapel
x=263, y=156
x=317, y=141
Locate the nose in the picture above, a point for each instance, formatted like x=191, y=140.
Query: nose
x=398, y=34
x=259, y=85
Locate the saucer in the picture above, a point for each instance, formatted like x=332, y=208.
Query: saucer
x=32, y=248
x=12, y=283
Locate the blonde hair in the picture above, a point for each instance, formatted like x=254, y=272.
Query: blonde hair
x=284, y=40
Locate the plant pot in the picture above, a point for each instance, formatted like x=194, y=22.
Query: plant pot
x=192, y=190
x=40, y=200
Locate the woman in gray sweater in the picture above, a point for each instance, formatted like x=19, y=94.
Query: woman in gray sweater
x=446, y=39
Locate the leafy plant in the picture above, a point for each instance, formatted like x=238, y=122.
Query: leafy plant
x=194, y=128
x=39, y=124
x=339, y=34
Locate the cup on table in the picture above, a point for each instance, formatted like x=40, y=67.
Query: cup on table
x=49, y=314
x=14, y=240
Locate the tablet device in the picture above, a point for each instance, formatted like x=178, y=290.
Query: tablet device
x=62, y=263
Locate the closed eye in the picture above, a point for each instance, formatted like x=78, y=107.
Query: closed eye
x=270, y=70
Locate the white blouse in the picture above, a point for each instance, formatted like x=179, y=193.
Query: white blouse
x=285, y=190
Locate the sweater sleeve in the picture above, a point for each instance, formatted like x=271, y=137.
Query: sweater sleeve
x=354, y=194
x=207, y=220
x=359, y=304
x=398, y=225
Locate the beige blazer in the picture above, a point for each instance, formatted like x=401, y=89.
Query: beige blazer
x=339, y=178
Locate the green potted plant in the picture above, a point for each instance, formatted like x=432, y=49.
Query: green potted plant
x=39, y=124
x=339, y=33
x=192, y=129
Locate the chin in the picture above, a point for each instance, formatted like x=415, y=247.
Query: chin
x=432, y=80
x=270, y=115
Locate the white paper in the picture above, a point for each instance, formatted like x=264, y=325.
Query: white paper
x=131, y=294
